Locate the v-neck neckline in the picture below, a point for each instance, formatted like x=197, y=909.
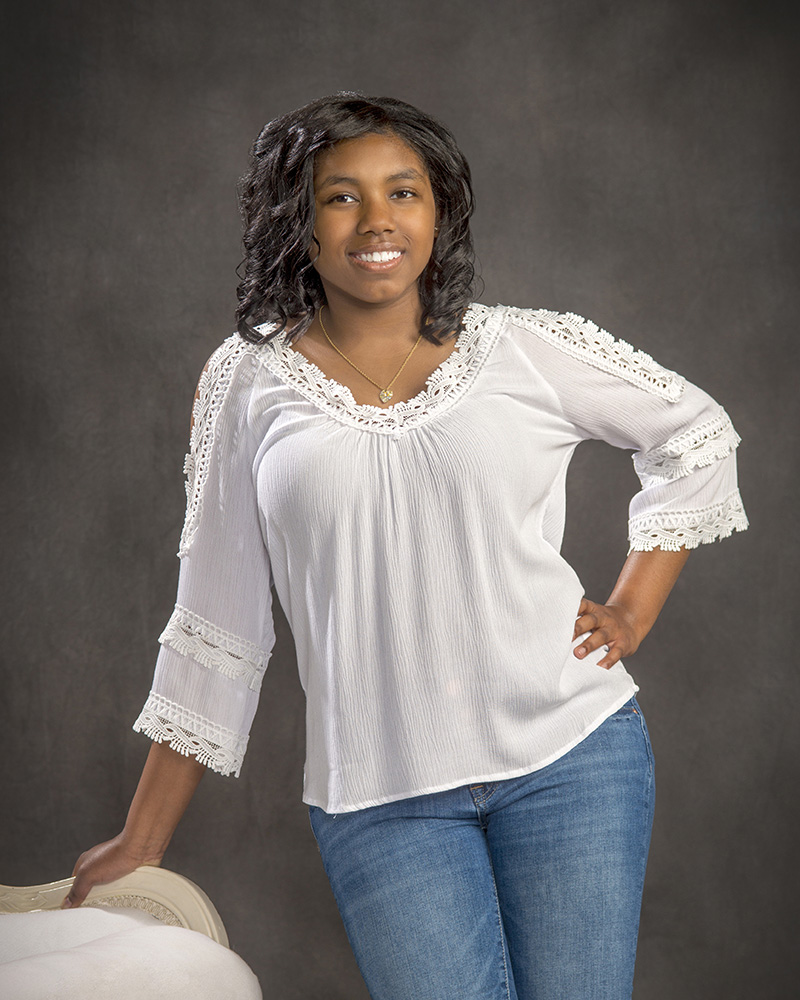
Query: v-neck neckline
x=446, y=383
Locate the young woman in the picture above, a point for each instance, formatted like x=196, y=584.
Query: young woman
x=392, y=457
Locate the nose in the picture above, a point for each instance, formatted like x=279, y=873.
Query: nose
x=376, y=217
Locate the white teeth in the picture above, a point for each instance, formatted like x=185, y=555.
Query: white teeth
x=379, y=258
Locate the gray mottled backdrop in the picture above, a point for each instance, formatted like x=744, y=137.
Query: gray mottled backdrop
x=635, y=162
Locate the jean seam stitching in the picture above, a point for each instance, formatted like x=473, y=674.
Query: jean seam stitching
x=500, y=929
x=648, y=747
x=478, y=798
x=488, y=790
x=647, y=811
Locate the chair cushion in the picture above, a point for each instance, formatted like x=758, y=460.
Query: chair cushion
x=115, y=954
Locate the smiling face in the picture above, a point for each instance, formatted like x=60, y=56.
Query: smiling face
x=375, y=218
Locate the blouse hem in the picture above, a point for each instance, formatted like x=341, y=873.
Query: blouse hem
x=497, y=776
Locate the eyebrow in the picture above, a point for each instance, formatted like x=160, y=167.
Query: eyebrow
x=410, y=174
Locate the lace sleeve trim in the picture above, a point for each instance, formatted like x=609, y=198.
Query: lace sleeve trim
x=672, y=530
x=699, y=446
x=213, y=647
x=584, y=340
x=212, y=389
x=192, y=735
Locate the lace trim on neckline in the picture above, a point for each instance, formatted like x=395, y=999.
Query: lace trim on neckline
x=584, y=340
x=672, y=530
x=213, y=647
x=697, y=447
x=192, y=735
x=445, y=385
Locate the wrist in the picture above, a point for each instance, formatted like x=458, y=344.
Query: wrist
x=633, y=619
x=144, y=849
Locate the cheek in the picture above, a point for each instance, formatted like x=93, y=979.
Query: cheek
x=322, y=243
x=427, y=236
x=329, y=235
x=429, y=227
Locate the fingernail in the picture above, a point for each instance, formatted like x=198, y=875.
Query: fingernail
x=67, y=904
x=580, y=651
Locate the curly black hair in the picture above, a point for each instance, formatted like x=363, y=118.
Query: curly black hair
x=276, y=195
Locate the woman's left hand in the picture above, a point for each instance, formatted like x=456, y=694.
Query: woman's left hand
x=610, y=625
x=632, y=608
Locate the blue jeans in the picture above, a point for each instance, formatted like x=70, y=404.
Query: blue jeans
x=523, y=889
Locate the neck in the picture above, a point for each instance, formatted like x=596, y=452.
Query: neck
x=351, y=324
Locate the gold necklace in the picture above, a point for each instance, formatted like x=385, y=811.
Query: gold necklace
x=385, y=393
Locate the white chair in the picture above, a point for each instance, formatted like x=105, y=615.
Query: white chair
x=151, y=934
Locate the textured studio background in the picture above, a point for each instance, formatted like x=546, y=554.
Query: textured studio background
x=635, y=162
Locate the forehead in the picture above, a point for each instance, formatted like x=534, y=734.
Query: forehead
x=367, y=156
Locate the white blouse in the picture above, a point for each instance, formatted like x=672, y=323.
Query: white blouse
x=415, y=552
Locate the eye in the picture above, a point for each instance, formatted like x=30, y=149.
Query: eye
x=404, y=193
x=340, y=199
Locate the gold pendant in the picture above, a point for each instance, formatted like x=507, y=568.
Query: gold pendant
x=385, y=395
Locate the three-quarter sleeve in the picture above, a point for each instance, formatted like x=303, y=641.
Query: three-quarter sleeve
x=216, y=645
x=682, y=440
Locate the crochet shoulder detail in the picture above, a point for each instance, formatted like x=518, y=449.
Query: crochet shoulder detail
x=213, y=387
x=584, y=340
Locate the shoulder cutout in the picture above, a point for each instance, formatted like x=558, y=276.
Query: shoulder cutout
x=212, y=389
x=584, y=340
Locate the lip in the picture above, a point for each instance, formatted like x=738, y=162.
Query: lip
x=378, y=265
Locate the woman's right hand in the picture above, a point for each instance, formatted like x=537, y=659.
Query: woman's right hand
x=104, y=863
x=167, y=784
